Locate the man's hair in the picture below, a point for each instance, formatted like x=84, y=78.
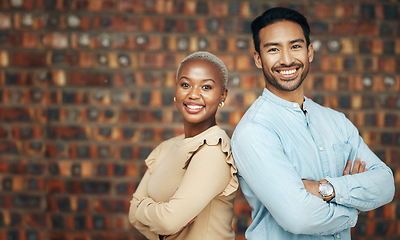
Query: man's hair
x=210, y=58
x=278, y=14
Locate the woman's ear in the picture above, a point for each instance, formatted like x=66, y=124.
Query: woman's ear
x=224, y=95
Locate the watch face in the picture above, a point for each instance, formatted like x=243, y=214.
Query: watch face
x=325, y=189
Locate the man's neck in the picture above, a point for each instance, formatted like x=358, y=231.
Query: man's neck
x=296, y=96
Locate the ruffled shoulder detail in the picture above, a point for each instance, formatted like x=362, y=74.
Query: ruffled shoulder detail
x=212, y=137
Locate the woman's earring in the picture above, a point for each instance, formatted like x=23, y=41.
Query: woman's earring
x=221, y=104
x=174, y=99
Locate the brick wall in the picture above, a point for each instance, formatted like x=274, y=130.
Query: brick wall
x=86, y=90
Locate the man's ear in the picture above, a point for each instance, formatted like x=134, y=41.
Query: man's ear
x=257, y=59
x=310, y=51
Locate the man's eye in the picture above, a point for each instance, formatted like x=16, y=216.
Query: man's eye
x=272, y=50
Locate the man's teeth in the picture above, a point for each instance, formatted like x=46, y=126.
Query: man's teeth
x=194, y=106
x=288, y=72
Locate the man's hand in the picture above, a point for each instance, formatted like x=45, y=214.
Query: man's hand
x=359, y=167
x=312, y=187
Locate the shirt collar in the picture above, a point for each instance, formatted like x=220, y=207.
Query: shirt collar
x=281, y=102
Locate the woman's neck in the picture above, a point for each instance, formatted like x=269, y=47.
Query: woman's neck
x=192, y=130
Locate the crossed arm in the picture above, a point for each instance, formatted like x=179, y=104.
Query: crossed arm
x=359, y=167
x=205, y=178
x=274, y=180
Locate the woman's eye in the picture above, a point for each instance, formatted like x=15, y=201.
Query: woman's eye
x=185, y=85
x=207, y=87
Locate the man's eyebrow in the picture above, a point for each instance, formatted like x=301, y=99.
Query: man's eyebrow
x=271, y=44
x=277, y=44
x=297, y=40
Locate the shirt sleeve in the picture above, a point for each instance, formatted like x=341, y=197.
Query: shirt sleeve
x=368, y=190
x=207, y=175
x=271, y=177
x=138, y=196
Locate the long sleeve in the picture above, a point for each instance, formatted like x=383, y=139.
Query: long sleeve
x=139, y=195
x=368, y=190
x=207, y=175
x=266, y=170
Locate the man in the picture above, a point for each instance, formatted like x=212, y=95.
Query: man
x=298, y=162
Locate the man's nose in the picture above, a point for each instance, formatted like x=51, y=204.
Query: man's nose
x=286, y=58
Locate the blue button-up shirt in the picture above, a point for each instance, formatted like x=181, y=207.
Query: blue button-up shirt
x=276, y=145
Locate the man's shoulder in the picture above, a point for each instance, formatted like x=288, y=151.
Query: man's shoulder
x=260, y=115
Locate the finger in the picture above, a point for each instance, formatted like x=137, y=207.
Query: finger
x=347, y=168
x=362, y=167
x=356, y=166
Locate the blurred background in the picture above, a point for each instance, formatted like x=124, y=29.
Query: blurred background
x=87, y=86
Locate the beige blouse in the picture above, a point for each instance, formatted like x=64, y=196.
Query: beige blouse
x=187, y=178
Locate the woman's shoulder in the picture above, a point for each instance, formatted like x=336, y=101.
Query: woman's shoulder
x=211, y=137
x=215, y=139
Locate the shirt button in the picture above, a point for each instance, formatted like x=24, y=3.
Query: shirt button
x=294, y=105
x=321, y=148
x=341, y=200
x=337, y=235
x=351, y=223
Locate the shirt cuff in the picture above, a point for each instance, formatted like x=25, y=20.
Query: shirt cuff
x=341, y=192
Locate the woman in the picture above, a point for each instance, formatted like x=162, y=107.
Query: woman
x=189, y=187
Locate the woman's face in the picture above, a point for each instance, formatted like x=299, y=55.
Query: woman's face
x=199, y=90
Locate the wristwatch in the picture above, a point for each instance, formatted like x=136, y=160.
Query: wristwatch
x=326, y=189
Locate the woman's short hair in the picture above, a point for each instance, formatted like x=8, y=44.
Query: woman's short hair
x=210, y=58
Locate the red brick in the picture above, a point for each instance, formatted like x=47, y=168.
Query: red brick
x=69, y=132
x=344, y=11
x=88, y=79
x=101, y=5
x=107, y=206
x=24, y=40
x=367, y=29
x=3, y=132
x=387, y=65
x=36, y=220
x=16, y=114
x=55, y=186
x=122, y=223
x=28, y=60
x=244, y=63
x=322, y=11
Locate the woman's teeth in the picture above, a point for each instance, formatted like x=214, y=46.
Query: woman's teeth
x=194, y=106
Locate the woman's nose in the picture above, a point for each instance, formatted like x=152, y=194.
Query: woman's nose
x=194, y=93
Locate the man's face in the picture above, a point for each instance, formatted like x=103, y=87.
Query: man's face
x=284, y=57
